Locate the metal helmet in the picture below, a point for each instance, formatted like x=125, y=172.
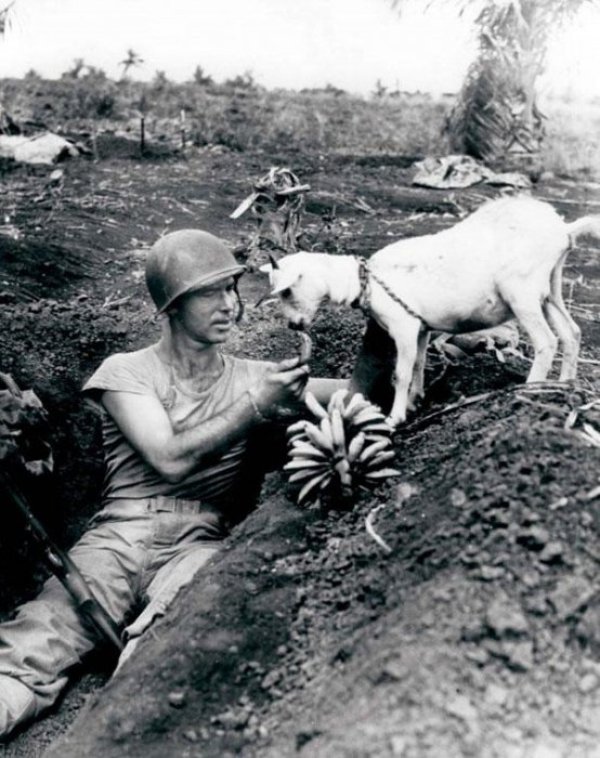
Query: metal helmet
x=186, y=260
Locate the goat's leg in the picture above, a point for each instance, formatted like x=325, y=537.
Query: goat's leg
x=373, y=369
x=417, y=385
x=405, y=335
x=569, y=339
x=561, y=321
x=529, y=314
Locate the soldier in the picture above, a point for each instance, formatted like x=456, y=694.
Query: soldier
x=177, y=419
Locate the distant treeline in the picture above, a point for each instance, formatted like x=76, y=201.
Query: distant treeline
x=238, y=113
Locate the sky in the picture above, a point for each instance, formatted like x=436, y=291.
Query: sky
x=350, y=44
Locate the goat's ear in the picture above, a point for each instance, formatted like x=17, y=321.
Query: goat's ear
x=283, y=280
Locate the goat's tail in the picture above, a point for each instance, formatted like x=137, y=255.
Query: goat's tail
x=586, y=225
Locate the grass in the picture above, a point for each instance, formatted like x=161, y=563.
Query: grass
x=243, y=116
x=572, y=145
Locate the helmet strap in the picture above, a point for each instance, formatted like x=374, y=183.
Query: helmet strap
x=241, y=308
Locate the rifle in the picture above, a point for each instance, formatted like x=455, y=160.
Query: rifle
x=65, y=570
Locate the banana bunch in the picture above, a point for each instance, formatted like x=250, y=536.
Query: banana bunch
x=348, y=444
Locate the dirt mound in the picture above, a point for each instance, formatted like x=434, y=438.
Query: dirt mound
x=476, y=633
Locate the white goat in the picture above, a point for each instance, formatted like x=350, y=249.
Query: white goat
x=504, y=261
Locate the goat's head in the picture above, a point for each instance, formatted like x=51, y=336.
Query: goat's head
x=300, y=286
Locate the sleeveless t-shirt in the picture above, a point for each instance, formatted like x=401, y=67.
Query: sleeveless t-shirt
x=143, y=372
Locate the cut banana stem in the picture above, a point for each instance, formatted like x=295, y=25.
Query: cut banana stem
x=305, y=351
x=344, y=472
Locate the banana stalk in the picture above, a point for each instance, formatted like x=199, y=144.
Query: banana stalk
x=348, y=444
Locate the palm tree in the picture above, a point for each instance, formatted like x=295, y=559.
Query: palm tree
x=496, y=112
x=76, y=69
x=132, y=60
x=5, y=18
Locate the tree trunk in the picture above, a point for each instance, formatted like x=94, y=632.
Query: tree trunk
x=496, y=117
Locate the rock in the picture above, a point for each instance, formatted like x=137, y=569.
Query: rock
x=534, y=538
x=191, y=735
x=270, y=679
x=588, y=683
x=529, y=516
x=589, y=665
x=505, y=619
x=530, y=578
x=404, y=491
x=472, y=631
x=489, y=573
x=443, y=595
x=500, y=519
x=495, y=694
x=588, y=629
x=398, y=745
x=478, y=655
x=394, y=670
x=467, y=419
x=461, y=707
x=545, y=750
x=458, y=498
x=537, y=605
x=232, y=719
x=519, y=655
x=562, y=502
x=176, y=699
x=553, y=552
x=570, y=595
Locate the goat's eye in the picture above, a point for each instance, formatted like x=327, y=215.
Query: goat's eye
x=286, y=293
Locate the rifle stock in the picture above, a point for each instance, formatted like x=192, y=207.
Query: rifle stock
x=63, y=567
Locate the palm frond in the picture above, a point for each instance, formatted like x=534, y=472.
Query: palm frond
x=6, y=18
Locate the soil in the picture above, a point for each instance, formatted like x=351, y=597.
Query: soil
x=476, y=633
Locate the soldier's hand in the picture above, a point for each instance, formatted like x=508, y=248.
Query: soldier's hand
x=283, y=386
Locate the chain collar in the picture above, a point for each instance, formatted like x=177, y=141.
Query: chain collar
x=362, y=302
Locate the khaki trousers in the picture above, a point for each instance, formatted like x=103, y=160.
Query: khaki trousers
x=134, y=552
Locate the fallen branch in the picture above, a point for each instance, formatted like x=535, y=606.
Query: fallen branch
x=533, y=388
